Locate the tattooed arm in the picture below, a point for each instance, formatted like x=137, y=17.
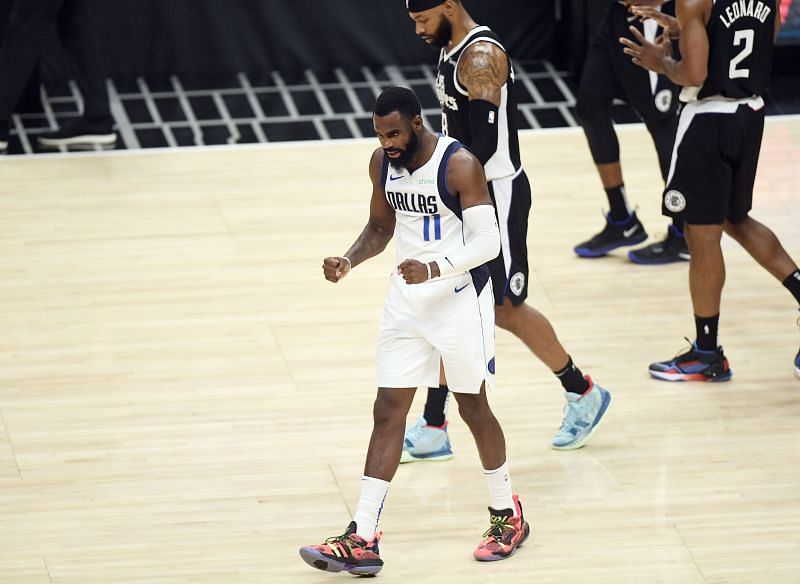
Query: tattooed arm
x=483, y=71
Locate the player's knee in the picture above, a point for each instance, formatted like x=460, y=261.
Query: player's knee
x=590, y=107
x=473, y=409
x=504, y=316
x=387, y=409
x=739, y=229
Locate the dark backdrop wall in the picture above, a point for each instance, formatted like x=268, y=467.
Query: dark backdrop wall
x=206, y=39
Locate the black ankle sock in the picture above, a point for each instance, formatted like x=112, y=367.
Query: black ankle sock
x=792, y=283
x=434, y=405
x=616, y=200
x=572, y=380
x=707, y=327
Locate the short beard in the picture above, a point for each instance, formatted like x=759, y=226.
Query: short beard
x=407, y=154
x=443, y=33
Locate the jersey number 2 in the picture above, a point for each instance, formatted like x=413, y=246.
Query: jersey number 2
x=747, y=36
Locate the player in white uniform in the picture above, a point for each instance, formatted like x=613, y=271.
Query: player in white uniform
x=431, y=194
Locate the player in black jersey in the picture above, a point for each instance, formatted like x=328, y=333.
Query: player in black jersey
x=475, y=82
x=726, y=59
x=608, y=74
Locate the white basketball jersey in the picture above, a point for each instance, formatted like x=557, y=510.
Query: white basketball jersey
x=429, y=223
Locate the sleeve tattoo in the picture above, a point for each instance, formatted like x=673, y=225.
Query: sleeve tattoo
x=483, y=70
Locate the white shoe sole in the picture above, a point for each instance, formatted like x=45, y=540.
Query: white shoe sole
x=83, y=140
x=797, y=372
x=407, y=457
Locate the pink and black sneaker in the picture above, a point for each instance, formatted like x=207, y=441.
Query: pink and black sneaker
x=345, y=553
x=693, y=365
x=506, y=533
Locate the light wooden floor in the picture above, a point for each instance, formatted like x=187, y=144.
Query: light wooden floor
x=184, y=399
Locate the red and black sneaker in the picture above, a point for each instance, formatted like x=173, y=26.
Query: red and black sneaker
x=345, y=553
x=693, y=365
x=506, y=533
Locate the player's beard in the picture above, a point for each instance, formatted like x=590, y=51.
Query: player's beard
x=407, y=153
x=444, y=33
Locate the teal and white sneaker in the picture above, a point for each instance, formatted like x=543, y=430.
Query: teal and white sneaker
x=582, y=415
x=424, y=442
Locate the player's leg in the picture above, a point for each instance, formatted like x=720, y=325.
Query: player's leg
x=508, y=529
x=699, y=192
x=356, y=550
x=758, y=239
x=32, y=24
x=662, y=127
x=428, y=439
x=404, y=361
x=761, y=243
x=95, y=125
x=600, y=83
x=586, y=402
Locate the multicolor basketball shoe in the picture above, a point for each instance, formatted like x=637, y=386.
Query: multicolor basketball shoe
x=345, y=553
x=694, y=365
x=424, y=442
x=582, y=415
x=505, y=534
x=797, y=365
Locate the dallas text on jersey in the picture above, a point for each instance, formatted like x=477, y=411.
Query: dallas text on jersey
x=413, y=202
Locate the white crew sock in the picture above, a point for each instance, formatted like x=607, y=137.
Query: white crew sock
x=370, y=505
x=500, y=493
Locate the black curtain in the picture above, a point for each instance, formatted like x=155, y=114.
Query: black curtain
x=209, y=39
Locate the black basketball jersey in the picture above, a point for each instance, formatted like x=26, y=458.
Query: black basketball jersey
x=454, y=100
x=740, y=41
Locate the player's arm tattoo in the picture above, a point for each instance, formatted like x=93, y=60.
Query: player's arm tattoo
x=379, y=229
x=372, y=241
x=483, y=70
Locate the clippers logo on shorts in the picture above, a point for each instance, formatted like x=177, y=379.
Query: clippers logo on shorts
x=675, y=201
x=517, y=283
x=663, y=100
x=490, y=365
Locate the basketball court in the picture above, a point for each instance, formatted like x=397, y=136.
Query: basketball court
x=184, y=398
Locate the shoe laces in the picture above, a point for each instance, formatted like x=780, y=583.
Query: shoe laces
x=685, y=352
x=498, y=524
x=415, y=433
x=571, y=414
x=338, y=538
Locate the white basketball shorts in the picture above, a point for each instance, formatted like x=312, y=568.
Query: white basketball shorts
x=451, y=319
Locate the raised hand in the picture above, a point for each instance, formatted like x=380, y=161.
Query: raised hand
x=651, y=56
x=670, y=24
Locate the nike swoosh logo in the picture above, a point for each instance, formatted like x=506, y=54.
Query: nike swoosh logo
x=396, y=177
x=628, y=232
x=457, y=289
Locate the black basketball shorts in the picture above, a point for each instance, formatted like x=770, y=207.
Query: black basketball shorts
x=714, y=161
x=512, y=199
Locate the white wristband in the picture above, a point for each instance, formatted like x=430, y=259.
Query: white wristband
x=428, y=265
x=349, y=263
